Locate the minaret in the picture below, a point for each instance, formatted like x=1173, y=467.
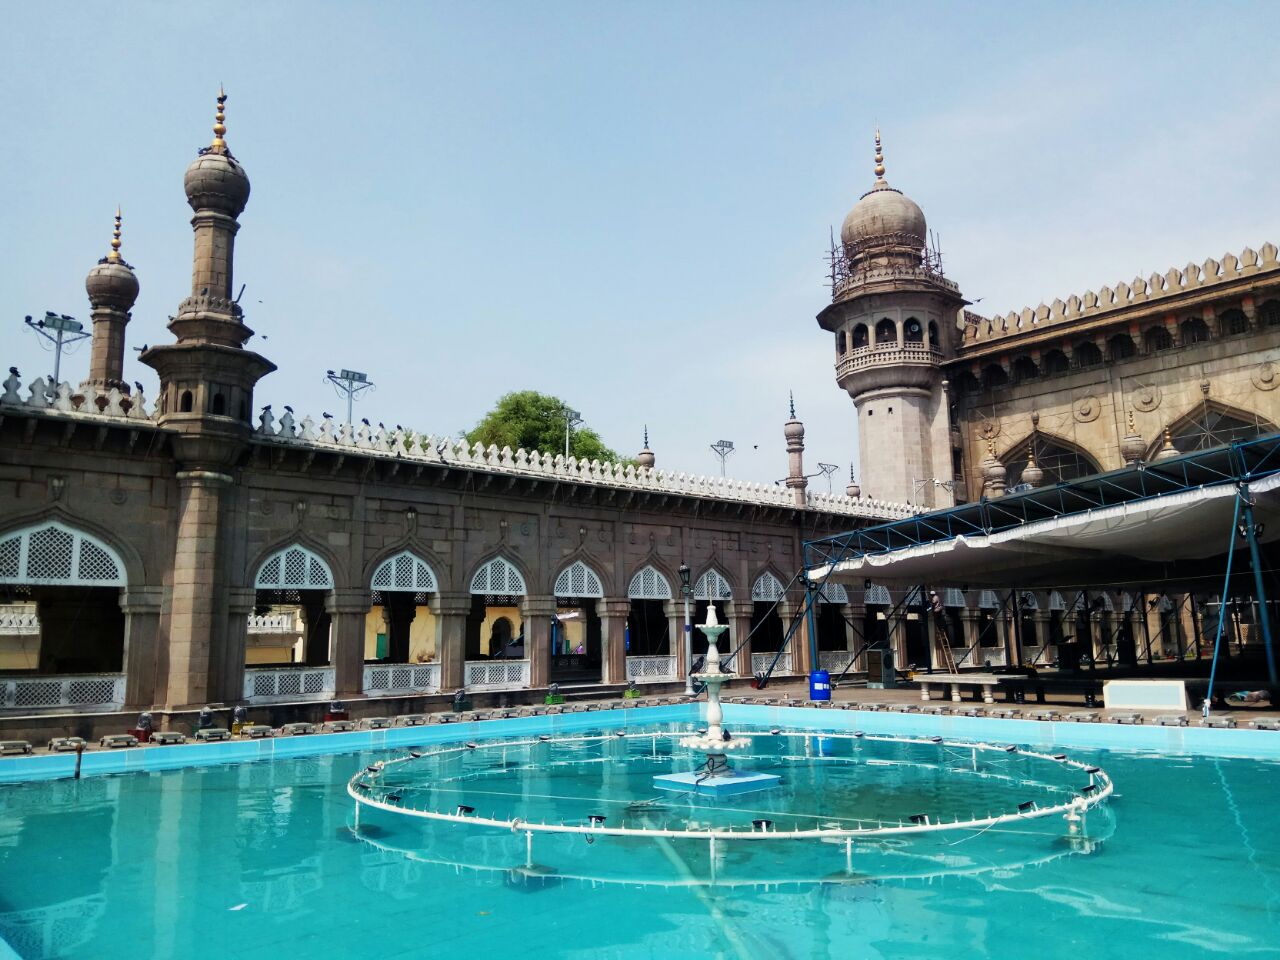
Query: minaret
x=893, y=316
x=793, y=430
x=646, y=458
x=206, y=395
x=113, y=290
x=207, y=373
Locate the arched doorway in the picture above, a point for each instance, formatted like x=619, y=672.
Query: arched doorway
x=62, y=632
x=834, y=653
x=575, y=631
x=293, y=583
x=401, y=628
x=650, y=655
x=767, y=629
x=497, y=590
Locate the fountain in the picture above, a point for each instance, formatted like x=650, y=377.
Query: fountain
x=715, y=777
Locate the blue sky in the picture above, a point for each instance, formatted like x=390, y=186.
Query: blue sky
x=626, y=205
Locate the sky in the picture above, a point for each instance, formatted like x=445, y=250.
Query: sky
x=625, y=205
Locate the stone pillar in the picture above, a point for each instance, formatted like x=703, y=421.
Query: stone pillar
x=400, y=613
x=856, y=612
x=896, y=629
x=348, y=609
x=240, y=603
x=969, y=620
x=195, y=621
x=613, y=638
x=537, y=613
x=141, y=606
x=318, y=629
x=674, y=611
x=1041, y=618
x=738, y=613
x=452, y=611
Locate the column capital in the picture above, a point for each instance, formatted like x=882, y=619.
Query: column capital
x=141, y=599
x=538, y=606
x=451, y=604
x=204, y=478
x=614, y=607
x=347, y=600
x=241, y=600
x=739, y=608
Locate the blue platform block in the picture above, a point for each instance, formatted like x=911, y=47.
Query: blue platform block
x=721, y=786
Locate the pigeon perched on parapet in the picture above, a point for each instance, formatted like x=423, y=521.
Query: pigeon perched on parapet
x=365, y=421
x=138, y=384
x=328, y=416
x=14, y=371
x=289, y=408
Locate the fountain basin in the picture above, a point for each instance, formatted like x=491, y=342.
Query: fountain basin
x=729, y=784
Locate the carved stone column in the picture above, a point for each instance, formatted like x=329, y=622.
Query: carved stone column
x=970, y=621
x=348, y=609
x=537, y=613
x=674, y=611
x=452, y=611
x=738, y=613
x=613, y=613
x=240, y=602
x=141, y=606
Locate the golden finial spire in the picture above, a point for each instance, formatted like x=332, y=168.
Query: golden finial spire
x=879, y=157
x=991, y=447
x=1031, y=455
x=1132, y=426
x=219, y=127
x=114, y=255
x=1168, y=438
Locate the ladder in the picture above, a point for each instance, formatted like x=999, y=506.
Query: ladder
x=943, y=644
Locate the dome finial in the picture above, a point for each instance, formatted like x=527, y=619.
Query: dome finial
x=879, y=157
x=219, y=125
x=114, y=255
x=791, y=394
x=646, y=436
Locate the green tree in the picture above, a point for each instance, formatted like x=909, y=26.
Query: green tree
x=535, y=421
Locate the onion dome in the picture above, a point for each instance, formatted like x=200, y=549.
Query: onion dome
x=853, y=490
x=1132, y=446
x=793, y=429
x=215, y=181
x=884, y=216
x=1032, y=475
x=993, y=471
x=645, y=458
x=111, y=283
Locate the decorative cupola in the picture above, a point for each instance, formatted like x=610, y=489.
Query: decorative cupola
x=113, y=289
x=1132, y=447
x=1032, y=475
x=796, y=481
x=1168, y=450
x=646, y=458
x=853, y=490
x=993, y=473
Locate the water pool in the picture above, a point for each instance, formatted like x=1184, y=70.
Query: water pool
x=258, y=860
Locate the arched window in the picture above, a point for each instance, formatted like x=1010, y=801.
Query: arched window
x=840, y=343
x=913, y=331
x=1269, y=314
x=1121, y=347
x=1194, y=330
x=294, y=568
x=1024, y=368
x=1215, y=426
x=993, y=377
x=1233, y=322
x=1157, y=339
x=52, y=554
x=877, y=594
x=859, y=336
x=1086, y=354
x=767, y=588
x=712, y=586
x=404, y=573
x=1055, y=361
x=833, y=593
x=578, y=580
x=886, y=332
x=184, y=405
x=1058, y=461
x=498, y=576
x=218, y=406
x=933, y=335
x=649, y=584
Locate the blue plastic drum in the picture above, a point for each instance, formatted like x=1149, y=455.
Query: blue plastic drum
x=819, y=685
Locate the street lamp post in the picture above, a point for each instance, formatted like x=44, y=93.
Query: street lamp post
x=571, y=419
x=722, y=449
x=66, y=331
x=686, y=590
x=349, y=384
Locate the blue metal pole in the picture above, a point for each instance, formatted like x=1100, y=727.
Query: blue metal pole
x=1222, y=604
x=1259, y=588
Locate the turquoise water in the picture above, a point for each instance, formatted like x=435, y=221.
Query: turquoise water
x=259, y=860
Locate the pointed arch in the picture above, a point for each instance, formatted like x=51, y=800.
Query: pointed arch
x=833, y=593
x=877, y=594
x=52, y=553
x=649, y=583
x=498, y=575
x=1059, y=458
x=406, y=572
x=1212, y=423
x=578, y=580
x=294, y=568
x=767, y=588
x=712, y=585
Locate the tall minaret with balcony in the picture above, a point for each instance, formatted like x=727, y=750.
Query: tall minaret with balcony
x=893, y=316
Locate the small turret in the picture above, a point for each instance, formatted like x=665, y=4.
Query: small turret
x=646, y=458
x=793, y=430
x=853, y=490
x=993, y=473
x=1132, y=447
x=113, y=289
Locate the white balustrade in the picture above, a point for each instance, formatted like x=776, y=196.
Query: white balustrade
x=19, y=624
x=497, y=674
x=834, y=661
x=265, y=684
x=103, y=691
x=760, y=663
x=275, y=623
x=401, y=677
x=651, y=669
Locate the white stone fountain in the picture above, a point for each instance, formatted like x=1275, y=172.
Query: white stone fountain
x=715, y=777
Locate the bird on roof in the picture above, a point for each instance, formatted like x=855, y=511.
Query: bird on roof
x=289, y=408
x=138, y=384
x=365, y=421
x=328, y=416
x=14, y=371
